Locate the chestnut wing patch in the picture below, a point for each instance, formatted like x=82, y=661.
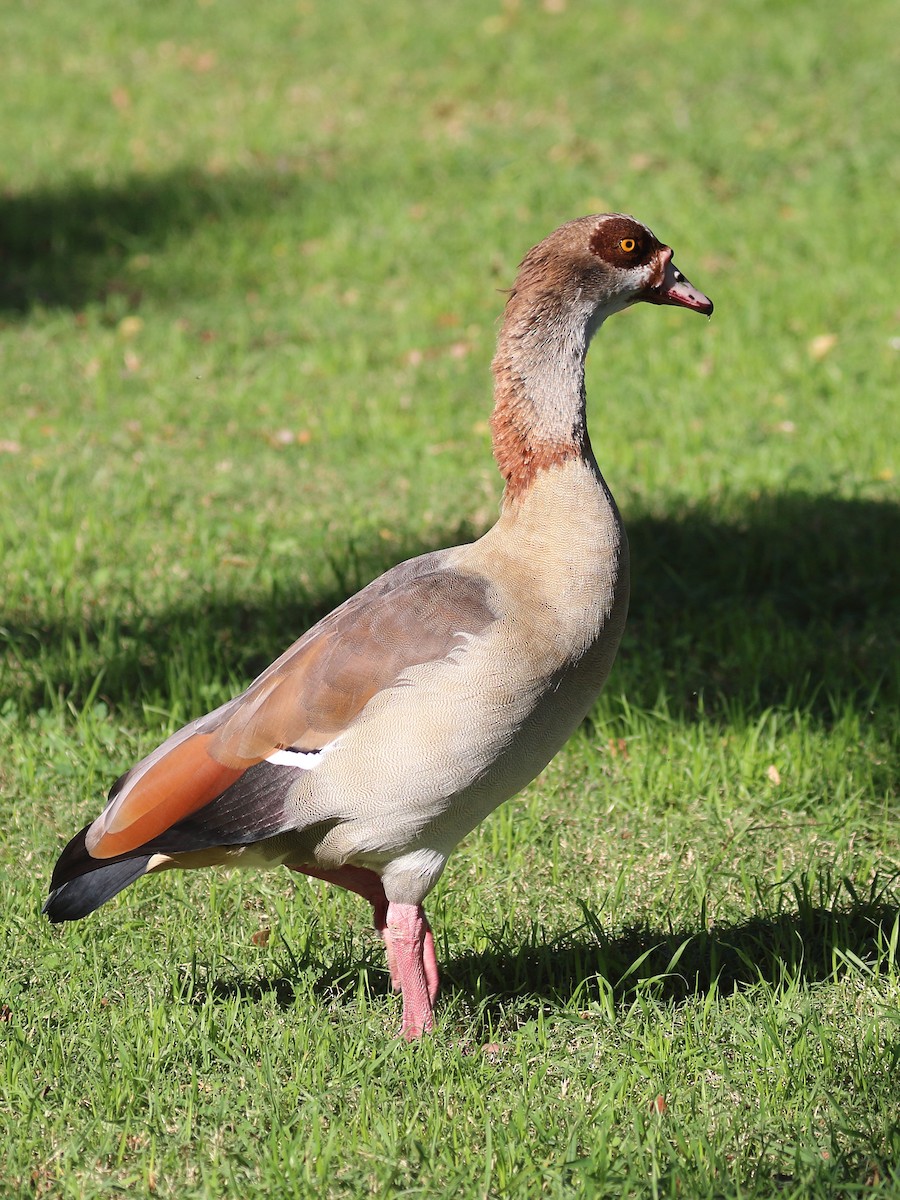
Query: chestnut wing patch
x=418, y=612
x=325, y=680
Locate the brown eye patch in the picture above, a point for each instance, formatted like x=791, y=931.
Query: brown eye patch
x=622, y=242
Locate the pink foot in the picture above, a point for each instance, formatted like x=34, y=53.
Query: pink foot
x=408, y=942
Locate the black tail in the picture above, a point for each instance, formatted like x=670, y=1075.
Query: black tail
x=81, y=883
x=253, y=808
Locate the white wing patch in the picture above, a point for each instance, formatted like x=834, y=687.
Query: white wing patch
x=304, y=759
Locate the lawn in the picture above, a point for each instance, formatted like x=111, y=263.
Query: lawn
x=251, y=265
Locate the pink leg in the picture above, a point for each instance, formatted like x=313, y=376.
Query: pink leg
x=408, y=941
x=413, y=945
x=430, y=963
x=354, y=879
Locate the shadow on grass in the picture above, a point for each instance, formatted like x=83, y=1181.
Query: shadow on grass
x=819, y=931
x=64, y=247
x=805, y=943
x=791, y=603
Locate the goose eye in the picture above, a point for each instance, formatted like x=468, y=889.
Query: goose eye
x=627, y=244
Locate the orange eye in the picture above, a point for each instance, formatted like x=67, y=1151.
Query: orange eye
x=627, y=244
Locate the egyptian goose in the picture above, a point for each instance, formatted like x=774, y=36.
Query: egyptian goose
x=396, y=724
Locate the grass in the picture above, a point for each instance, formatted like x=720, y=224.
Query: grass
x=249, y=262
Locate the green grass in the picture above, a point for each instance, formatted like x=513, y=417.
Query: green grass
x=249, y=270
